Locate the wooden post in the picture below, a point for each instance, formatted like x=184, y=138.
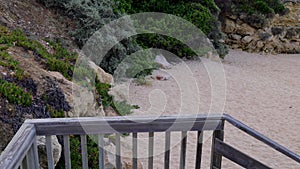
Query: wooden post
x=167, y=149
x=49, y=152
x=183, y=149
x=118, y=151
x=150, y=150
x=84, y=152
x=31, y=160
x=134, y=150
x=199, y=149
x=67, y=153
x=216, y=158
x=101, y=151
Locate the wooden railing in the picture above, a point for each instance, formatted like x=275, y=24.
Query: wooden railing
x=22, y=150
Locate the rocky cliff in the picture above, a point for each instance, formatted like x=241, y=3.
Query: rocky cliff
x=281, y=33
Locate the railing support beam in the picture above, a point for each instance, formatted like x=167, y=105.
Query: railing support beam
x=216, y=158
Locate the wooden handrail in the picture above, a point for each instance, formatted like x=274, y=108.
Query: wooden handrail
x=23, y=144
x=261, y=138
x=16, y=150
x=96, y=125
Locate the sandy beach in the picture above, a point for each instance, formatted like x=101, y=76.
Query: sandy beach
x=262, y=91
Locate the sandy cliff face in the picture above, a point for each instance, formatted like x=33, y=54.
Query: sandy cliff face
x=280, y=35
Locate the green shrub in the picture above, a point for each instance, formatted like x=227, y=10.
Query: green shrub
x=138, y=64
x=102, y=89
x=266, y=7
x=55, y=113
x=6, y=60
x=123, y=108
x=142, y=81
x=263, y=7
x=203, y=14
x=14, y=93
x=4, y=47
x=75, y=153
x=62, y=60
x=92, y=15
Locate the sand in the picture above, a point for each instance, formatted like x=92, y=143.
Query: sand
x=262, y=91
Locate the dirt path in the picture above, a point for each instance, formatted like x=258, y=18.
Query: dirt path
x=261, y=91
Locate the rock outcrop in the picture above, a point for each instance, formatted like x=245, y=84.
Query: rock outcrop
x=101, y=74
x=162, y=62
x=110, y=157
x=56, y=149
x=280, y=35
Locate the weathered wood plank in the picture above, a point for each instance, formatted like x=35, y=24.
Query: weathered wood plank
x=49, y=152
x=31, y=158
x=125, y=127
x=36, y=154
x=16, y=150
x=216, y=158
x=150, y=150
x=118, y=151
x=101, y=151
x=134, y=150
x=67, y=151
x=126, y=119
x=183, y=150
x=167, y=149
x=62, y=126
x=237, y=156
x=199, y=149
x=84, y=152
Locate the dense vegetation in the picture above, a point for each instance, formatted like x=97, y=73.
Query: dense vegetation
x=60, y=60
x=92, y=15
x=11, y=86
x=203, y=14
x=14, y=93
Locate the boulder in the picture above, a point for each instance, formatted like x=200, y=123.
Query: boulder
x=109, y=111
x=110, y=157
x=229, y=26
x=260, y=44
x=101, y=74
x=56, y=149
x=245, y=29
x=292, y=33
x=236, y=37
x=81, y=100
x=231, y=16
x=120, y=91
x=247, y=39
x=162, y=62
x=264, y=36
x=85, y=104
x=277, y=30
